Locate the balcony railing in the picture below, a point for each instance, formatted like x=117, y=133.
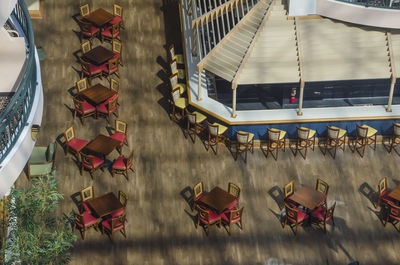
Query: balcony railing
x=15, y=115
x=392, y=4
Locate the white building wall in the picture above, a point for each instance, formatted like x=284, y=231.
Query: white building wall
x=302, y=7
x=6, y=7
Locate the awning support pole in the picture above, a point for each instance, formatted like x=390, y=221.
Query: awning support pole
x=392, y=84
x=234, y=86
x=199, y=70
x=300, y=111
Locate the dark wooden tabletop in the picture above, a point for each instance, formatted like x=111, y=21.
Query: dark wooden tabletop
x=99, y=17
x=308, y=197
x=102, y=145
x=97, y=94
x=395, y=193
x=217, y=199
x=105, y=204
x=98, y=55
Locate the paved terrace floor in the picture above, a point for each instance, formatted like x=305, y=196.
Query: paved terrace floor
x=161, y=226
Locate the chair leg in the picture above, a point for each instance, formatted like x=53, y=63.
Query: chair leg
x=297, y=147
x=355, y=144
x=334, y=153
x=237, y=151
x=363, y=151
x=305, y=153
x=245, y=155
x=375, y=141
x=277, y=153
x=326, y=146
x=284, y=223
x=209, y=141
x=216, y=144
x=391, y=145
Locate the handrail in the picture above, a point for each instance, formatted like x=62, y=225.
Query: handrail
x=15, y=116
x=374, y=3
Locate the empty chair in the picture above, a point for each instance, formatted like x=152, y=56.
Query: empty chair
x=84, y=109
x=85, y=10
x=383, y=192
x=123, y=199
x=198, y=193
x=173, y=79
x=117, y=49
x=395, y=136
x=288, y=191
x=232, y=217
x=122, y=165
x=174, y=70
x=294, y=216
x=86, y=194
x=41, y=161
x=120, y=131
x=392, y=215
x=117, y=11
x=111, y=33
x=194, y=123
x=305, y=139
x=178, y=57
x=323, y=215
x=90, y=70
x=207, y=218
x=366, y=136
x=244, y=142
x=88, y=30
x=322, y=187
x=85, y=47
x=107, y=109
x=276, y=141
x=72, y=144
x=336, y=137
x=112, y=67
x=216, y=135
x=114, y=85
x=234, y=190
x=114, y=224
x=91, y=163
x=81, y=85
x=84, y=222
x=178, y=102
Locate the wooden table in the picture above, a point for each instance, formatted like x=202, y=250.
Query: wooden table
x=99, y=17
x=97, y=94
x=308, y=197
x=98, y=55
x=105, y=204
x=102, y=145
x=217, y=199
x=395, y=194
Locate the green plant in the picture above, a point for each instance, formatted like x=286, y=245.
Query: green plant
x=38, y=237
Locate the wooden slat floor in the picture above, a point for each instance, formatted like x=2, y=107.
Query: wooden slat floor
x=161, y=226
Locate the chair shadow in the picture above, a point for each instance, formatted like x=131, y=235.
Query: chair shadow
x=366, y=190
x=187, y=194
x=277, y=215
x=77, y=54
x=277, y=195
x=72, y=110
x=60, y=141
x=76, y=199
x=110, y=130
x=72, y=92
x=397, y=182
x=381, y=214
x=79, y=72
x=164, y=64
x=193, y=217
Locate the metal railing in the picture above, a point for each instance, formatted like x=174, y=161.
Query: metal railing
x=391, y=4
x=15, y=115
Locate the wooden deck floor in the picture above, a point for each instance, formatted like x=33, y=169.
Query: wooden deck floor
x=161, y=226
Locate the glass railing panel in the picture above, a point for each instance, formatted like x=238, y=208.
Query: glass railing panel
x=392, y=4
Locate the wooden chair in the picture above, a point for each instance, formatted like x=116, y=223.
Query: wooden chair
x=122, y=165
x=84, y=109
x=113, y=225
x=84, y=222
x=383, y=192
x=288, y=191
x=244, y=142
x=114, y=85
x=198, y=193
x=232, y=217
x=234, y=190
x=111, y=33
x=85, y=10
x=322, y=187
x=81, y=85
x=117, y=11
x=207, y=218
x=123, y=199
x=178, y=57
x=305, y=139
x=86, y=194
x=174, y=70
x=393, y=215
x=92, y=163
x=323, y=215
x=85, y=47
x=41, y=161
x=72, y=144
x=194, y=123
x=173, y=79
x=121, y=130
x=276, y=141
x=366, y=136
x=294, y=216
x=88, y=30
x=216, y=133
x=91, y=70
x=178, y=102
x=117, y=49
x=107, y=109
x=336, y=137
x=395, y=136
x=112, y=67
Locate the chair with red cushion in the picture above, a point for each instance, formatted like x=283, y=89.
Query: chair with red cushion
x=123, y=198
x=383, y=192
x=107, y=109
x=110, y=33
x=323, y=215
x=73, y=145
x=92, y=163
x=117, y=12
x=122, y=166
x=198, y=193
x=288, y=191
x=86, y=194
x=84, y=109
x=294, y=216
x=84, y=222
x=91, y=70
x=234, y=190
x=121, y=129
x=207, y=217
x=88, y=30
x=113, y=225
x=117, y=49
x=393, y=215
x=232, y=217
x=111, y=67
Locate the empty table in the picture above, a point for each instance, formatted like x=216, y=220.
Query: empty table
x=97, y=94
x=102, y=145
x=308, y=197
x=99, y=17
x=105, y=204
x=98, y=55
x=218, y=199
x=395, y=193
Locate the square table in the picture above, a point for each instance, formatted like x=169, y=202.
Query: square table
x=395, y=193
x=98, y=55
x=308, y=197
x=97, y=94
x=99, y=17
x=105, y=204
x=102, y=145
x=218, y=199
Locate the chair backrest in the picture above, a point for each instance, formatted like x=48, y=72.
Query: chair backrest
x=118, y=222
x=117, y=46
x=114, y=84
x=121, y=126
x=173, y=79
x=123, y=198
x=242, y=137
x=382, y=186
x=198, y=189
x=203, y=214
x=85, y=47
x=81, y=85
x=172, y=51
x=79, y=219
x=51, y=152
x=396, y=129
x=322, y=187
x=333, y=133
x=235, y=215
x=302, y=133
x=175, y=94
x=112, y=64
x=234, y=190
x=329, y=211
x=117, y=10
x=191, y=117
x=85, y=65
x=69, y=134
x=129, y=159
x=291, y=213
x=212, y=129
x=87, y=159
x=78, y=104
x=288, y=189
x=85, y=10
x=87, y=193
x=174, y=67
x=362, y=131
x=273, y=134
x=112, y=104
